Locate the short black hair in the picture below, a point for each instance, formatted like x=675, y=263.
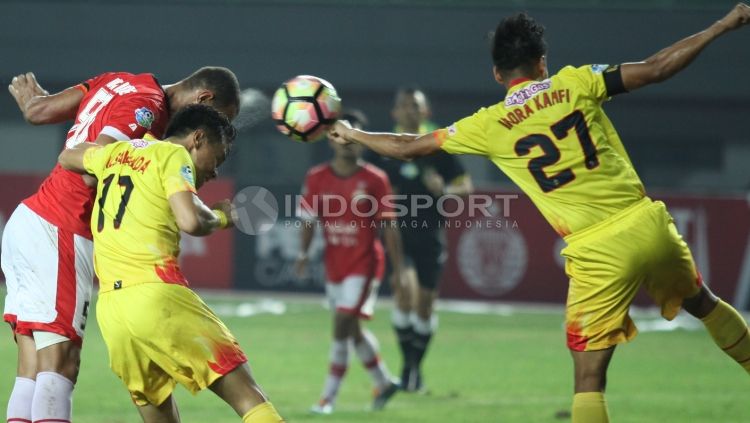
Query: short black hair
x=200, y=116
x=220, y=81
x=355, y=117
x=518, y=41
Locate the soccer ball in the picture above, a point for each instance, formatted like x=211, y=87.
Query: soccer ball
x=304, y=107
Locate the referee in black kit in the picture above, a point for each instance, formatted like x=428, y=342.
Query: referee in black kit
x=421, y=230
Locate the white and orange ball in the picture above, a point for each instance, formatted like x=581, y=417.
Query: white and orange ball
x=304, y=107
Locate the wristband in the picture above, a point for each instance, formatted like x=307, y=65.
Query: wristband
x=223, y=221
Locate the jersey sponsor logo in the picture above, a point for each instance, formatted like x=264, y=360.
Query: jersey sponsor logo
x=452, y=130
x=144, y=117
x=139, y=143
x=599, y=68
x=526, y=93
x=132, y=126
x=187, y=174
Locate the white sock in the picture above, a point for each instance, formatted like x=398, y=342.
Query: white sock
x=19, y=404
x=339, y=360
x=424, y=327
x=367, y=351
x=53, y=398
x=400, y=319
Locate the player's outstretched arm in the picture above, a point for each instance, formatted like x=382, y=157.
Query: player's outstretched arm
x=195, y=218
x=72, y=158
x=397, y=146
x=38, y=106
x=671, y=60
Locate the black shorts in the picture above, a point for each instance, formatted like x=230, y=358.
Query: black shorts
x=427, y=255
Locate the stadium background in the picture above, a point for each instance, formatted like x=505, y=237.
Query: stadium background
x=687, y=138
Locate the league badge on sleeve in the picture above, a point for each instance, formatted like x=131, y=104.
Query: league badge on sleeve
x=598, y=68
x=144, y=117
x=187, y=174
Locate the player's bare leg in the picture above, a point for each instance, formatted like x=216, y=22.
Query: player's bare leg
x=238, y=389
x=166, y=412
x=404, y=298
x=343, y=327
x=590, y=369
x=726, y=326
x=63, y=358
x=19, y=403
x=367, y=349
x=57, y=372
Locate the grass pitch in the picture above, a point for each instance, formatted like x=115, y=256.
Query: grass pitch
x=489, y=367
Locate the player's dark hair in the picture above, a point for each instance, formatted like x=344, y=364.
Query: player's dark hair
x=355, y=117
x=518, y=42
x=200, y=116
x=220, y=81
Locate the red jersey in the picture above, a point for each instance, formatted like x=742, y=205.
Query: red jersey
x=350, y=210
x=121, y=105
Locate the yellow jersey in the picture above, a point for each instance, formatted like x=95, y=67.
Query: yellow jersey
x=136, y=238
x=553, y=139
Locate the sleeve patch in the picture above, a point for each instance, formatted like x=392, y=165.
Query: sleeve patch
x=144, y=117
x=599, y=68
x=187, y=174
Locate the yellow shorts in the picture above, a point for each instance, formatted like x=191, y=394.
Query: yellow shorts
x=158, y=334
x=607, y=264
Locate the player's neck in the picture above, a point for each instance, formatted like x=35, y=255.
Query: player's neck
x=344, y=167
x=173, y=101
x=515, y=78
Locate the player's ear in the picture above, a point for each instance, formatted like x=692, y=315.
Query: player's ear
x=542, y=67
x=198, y=139
x=498, y=77
x=204, y=97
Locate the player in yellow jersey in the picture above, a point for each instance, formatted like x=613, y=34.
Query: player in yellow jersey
x=159, y=332
x=552, y=138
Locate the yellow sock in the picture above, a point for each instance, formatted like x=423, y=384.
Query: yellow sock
x=590, y=407
x=730, y=332
x=262, y=413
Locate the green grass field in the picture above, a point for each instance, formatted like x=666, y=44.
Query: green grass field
x=482, y=368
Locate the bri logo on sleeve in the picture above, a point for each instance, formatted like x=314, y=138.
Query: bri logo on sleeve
x=144, y=117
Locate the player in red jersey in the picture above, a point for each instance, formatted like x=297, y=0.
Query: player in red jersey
x=346, y=197
x=46, y=245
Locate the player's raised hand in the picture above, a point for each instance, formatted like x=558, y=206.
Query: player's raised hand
x=23, y=88
x=228, y=209
x=737, y=17
x=339, y=132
